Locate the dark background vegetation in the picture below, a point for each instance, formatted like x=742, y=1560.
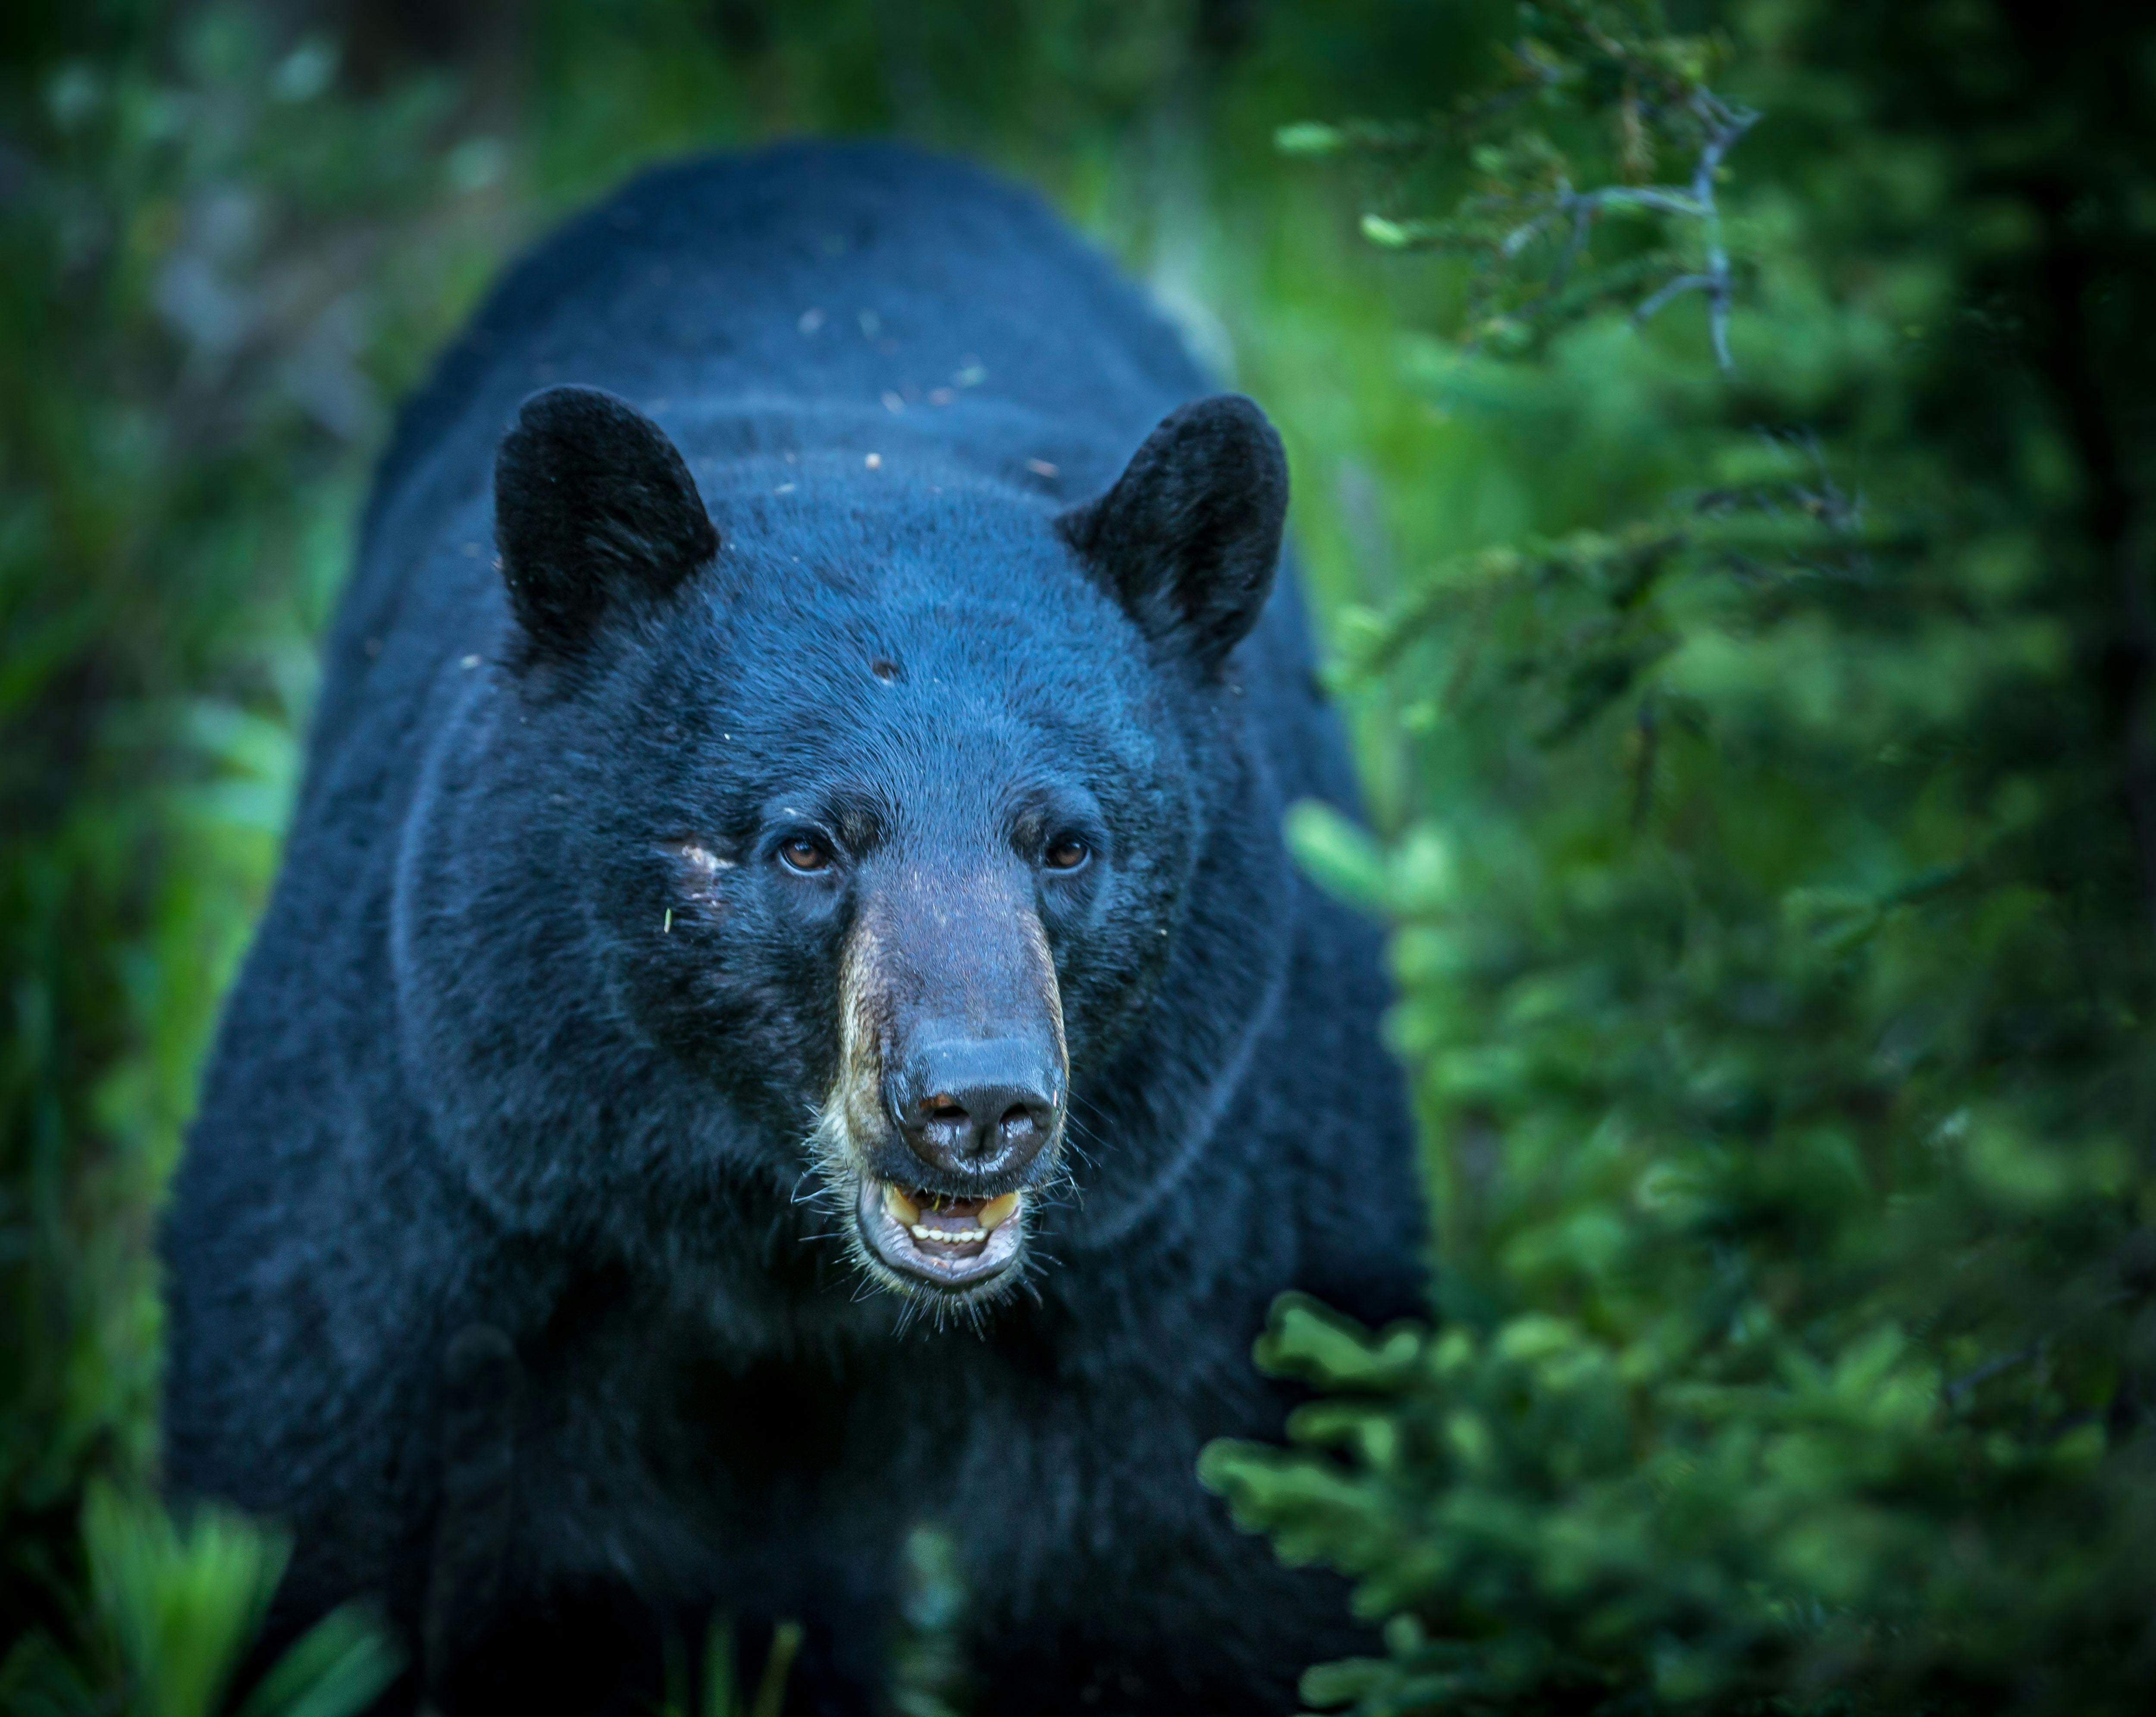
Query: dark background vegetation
x=1758, y=753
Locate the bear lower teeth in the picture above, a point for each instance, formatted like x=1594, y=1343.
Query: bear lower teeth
x=921, y=1230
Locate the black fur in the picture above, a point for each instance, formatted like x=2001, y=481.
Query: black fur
x=498, y=1265
x=591, y=504
x=1188, y=539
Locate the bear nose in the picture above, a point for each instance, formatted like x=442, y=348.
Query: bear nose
x=976, y=1110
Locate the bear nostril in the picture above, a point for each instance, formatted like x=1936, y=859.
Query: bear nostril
x=970, y=1106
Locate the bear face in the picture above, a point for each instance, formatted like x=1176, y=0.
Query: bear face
x=867, y=908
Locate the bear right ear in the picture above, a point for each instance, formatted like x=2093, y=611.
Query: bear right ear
x=592, y=502
x=1188, y=537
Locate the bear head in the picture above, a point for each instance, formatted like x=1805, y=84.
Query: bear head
x=833, y=847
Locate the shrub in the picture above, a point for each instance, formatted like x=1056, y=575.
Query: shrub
x=1772, y=912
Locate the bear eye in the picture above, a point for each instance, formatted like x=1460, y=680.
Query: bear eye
x=804, y=855
x=1068, y=854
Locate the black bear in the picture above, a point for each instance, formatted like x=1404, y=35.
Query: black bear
x=787, y=1015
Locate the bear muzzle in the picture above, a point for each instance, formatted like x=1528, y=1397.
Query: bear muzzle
x=951, y=1102
x=973, y=1120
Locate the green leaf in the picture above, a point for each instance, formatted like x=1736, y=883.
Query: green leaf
x=1309, y=140
x=1338, y=855
x=337, y=1669
x=1307, y=1339
x=181, y=1606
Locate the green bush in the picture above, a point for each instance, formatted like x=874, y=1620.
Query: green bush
x=201, y=322
x=170, y=1616
x=1772, y=891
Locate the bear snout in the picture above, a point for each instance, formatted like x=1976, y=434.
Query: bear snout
x=953, y=1086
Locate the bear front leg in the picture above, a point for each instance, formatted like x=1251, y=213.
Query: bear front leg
x=482, y=1404
x=1217, y=1627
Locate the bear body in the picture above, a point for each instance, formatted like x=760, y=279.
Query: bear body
x=811, y=789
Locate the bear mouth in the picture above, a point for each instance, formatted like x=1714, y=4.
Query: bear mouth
x=932, y=1240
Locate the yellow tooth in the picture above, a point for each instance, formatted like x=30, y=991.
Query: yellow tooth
x=900, y=1205
x=996, y=1212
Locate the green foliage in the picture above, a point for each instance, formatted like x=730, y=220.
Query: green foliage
x=172, y=1614
x=720, y=1683
x=1586, y=91
x=1771, y=883
x=196, y=355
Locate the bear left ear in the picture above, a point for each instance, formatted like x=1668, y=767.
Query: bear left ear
x=1188, y=537
x=592, y=502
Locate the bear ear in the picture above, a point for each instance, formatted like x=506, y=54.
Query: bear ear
x=1188, y=537
x=591, y=503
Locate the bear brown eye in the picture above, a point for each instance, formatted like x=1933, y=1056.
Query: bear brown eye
x=1067, y=854
x=799, y=853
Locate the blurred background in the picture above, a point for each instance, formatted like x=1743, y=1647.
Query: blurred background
x=1724, y=469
